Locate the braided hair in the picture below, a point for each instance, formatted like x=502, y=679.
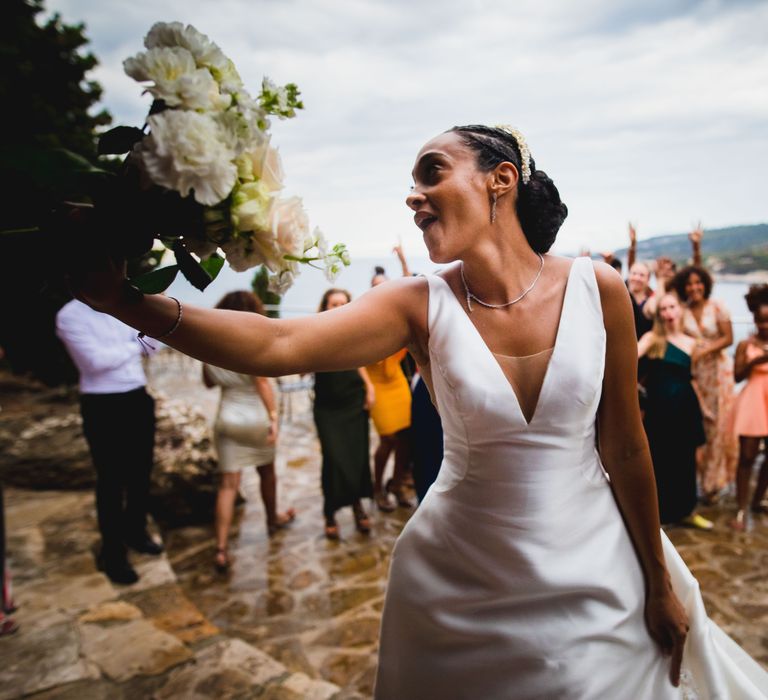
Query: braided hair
x=539, y=208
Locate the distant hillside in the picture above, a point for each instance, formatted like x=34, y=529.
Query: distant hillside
x=732, y=250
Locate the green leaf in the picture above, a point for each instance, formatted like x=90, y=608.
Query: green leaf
x=195, y=273
x=55, y=170
x=212, y=265
x=119, y=140
x=156, y=281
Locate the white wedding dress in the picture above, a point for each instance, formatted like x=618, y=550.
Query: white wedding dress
x=516, y=577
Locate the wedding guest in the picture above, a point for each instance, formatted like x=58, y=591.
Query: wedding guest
x=245, y=433
x=673, y=419
x=119, y=427
x=426, y=437
x=640, y=291
x=391, y=414
x=341, y=405
x=750, y=418
x=708, y=321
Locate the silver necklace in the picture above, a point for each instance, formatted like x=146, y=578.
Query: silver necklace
x=471, y=296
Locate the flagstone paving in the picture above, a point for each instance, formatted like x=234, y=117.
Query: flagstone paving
x=296, y=617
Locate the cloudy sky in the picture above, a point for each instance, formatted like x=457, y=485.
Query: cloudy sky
x=653, y=111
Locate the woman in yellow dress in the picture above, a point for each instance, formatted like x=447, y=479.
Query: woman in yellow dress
x=391, y=415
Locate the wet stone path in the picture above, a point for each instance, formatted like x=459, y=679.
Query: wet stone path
x=312, y=604
x=315, y=605
x=296, y=617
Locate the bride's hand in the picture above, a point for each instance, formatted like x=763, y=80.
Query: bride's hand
x=102, y=283
x=668, y=625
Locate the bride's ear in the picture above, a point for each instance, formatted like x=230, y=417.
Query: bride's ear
x=504, y=178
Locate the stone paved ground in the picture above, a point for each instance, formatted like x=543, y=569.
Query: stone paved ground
x=315, y=605
x=297, y=617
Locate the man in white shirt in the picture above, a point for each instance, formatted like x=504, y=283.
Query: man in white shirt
x=119, y=426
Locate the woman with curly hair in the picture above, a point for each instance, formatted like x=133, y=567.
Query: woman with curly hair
x=709, y=322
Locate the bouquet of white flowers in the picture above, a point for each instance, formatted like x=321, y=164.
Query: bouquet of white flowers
x=202, y=175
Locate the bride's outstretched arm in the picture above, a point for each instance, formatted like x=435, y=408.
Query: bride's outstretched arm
x=374, y=326
x=627, y=459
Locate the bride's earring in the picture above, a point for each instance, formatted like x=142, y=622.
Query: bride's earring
x=494, y=197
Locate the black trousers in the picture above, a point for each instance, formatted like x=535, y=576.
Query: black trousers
x=120, y=431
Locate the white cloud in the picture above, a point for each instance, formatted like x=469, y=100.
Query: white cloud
x=652, y=111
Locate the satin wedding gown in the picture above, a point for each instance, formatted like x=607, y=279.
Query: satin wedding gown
x=516, y=577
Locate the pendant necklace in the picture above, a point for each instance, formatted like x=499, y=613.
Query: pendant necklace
x=471, y=296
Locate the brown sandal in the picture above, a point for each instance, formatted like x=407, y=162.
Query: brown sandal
x=332, y=531
x=362, y=521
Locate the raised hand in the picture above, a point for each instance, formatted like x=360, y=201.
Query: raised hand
x=696, y=235
x=632, y=234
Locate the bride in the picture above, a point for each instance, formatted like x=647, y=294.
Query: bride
x=535, y=567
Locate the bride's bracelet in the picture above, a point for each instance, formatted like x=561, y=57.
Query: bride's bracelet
x=173, y=328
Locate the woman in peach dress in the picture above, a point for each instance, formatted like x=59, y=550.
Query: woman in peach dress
x=750, y=417
x=709, y=322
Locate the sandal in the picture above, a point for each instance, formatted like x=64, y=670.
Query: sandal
x=397, y=491
x=739, y=523
x=383, y=503
x=222, y=561
x=283, y=521
x=331, y=530
x=362, y=521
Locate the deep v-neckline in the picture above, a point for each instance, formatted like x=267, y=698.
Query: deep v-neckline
x=489, y=353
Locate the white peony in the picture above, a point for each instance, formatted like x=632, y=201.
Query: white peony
x=185, y=151
x=290, y=225
x=177, y=80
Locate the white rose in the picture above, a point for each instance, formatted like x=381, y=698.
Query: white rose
x=251, y=205
x=185, y=151
x=267, y=166
x=290, y=225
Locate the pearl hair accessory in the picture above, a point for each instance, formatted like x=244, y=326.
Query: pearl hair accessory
x=522, y=145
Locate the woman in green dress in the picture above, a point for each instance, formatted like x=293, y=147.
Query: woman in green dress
x=673, y=418
x=342, y=400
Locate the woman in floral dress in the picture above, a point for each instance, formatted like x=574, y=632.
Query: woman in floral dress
x=709, y=322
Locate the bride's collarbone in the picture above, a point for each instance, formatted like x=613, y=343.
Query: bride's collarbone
x=526, y=328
